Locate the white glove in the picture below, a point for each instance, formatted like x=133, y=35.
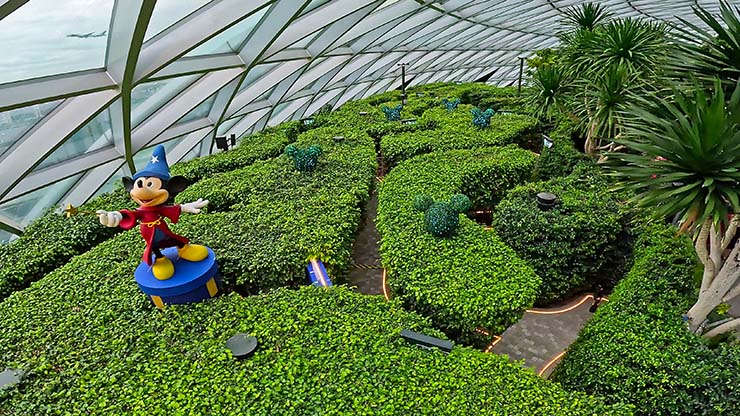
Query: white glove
x=193, y=207
x=109, y=218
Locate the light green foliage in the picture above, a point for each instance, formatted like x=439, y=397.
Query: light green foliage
x=454, y=131
x=51, y=240
x=470, y=279
x=276, y=218
x=92, y=344
x=636, y=349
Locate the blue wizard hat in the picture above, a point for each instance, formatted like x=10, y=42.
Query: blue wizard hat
x=157, y=166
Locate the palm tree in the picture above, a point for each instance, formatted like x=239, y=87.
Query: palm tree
x=684, y=158
x=549, y=91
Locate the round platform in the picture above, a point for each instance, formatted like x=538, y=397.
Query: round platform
x=192, y=281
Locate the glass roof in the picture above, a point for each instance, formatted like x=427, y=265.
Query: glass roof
x=264, y=61
x=47, y=37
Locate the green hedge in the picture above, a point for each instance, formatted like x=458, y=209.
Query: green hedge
x=92, y=344
x=471, y=279
x=51, y=240
x=454, y=130
x=636, y=349
x=570, y=245
x=559, y=160
x=274, y=218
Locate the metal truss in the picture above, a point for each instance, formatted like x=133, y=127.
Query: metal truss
x=235, y=67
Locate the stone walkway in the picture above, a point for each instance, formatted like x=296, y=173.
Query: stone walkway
x=543, y=334
x=369, y=281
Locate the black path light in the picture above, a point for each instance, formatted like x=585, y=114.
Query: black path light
x=403, y=83
x=426, y=341
x=242, y=345
x=521, y=71
x=222, y=143
x=546, y=200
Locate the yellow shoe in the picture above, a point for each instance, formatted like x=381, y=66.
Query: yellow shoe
x=193, y=252
x=163, y=268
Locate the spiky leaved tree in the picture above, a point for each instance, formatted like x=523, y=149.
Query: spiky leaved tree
x=684, y=159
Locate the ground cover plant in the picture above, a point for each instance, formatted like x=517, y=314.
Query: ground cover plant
x=470, y=279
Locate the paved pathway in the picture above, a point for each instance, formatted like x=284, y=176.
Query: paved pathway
x=543, y=334
x=369, y=281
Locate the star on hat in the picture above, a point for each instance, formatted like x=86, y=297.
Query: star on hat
x=157, y=166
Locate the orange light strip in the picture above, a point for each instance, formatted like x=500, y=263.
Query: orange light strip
x=496, y=340
x=557, y=311
x=482, y=331
x=385, y=291
x=550, y=363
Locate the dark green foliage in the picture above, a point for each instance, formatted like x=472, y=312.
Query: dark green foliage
x=481, y=119
x=682, y=156
x=559, y=160
x=470, y=279
x=453, y=131
x=304, y=160
x=568, y=245
x=586, y=16
x=549, y=93
x=714, y=53
x=442, y=218
x=636, y=349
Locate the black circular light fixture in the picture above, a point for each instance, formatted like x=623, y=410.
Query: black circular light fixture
x=546, y=200
x=242, y=345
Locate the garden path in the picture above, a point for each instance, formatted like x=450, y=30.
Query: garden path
x=367, y=275
x=542, y=335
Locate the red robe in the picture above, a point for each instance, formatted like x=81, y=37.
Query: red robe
x=151, y=219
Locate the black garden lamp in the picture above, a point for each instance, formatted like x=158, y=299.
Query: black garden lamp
x=221, y=143
x=419, y=94
x=546, y=200
x=242, y=345
x=546, y=141
x=338, y=139
x=363, y=113
x=232, y=140
x=426, y=341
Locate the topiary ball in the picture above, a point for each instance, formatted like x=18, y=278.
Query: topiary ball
x=423, y=202
x=460, y=203
x=441, y=219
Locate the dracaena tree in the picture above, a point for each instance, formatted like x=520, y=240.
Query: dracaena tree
x=682, y=156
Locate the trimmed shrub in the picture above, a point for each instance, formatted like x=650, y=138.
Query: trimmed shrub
x=92, y=344
x=470, y=279
x=636, y=349
x=570, y=244
x=278, y=218
x=559, y=160
x=51, y=240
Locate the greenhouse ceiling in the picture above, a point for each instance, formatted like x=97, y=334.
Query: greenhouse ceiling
x=87, y=86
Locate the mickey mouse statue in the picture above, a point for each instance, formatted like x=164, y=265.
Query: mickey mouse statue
x=151, y=188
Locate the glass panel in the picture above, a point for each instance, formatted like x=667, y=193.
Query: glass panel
x=200, y=111
x=254, y=74
x=27, y=207
x=231, y=39
x=151, y=96
x=315, y=4
x=141, y=158
x=111, y=183
x=96, y=134
x=168, y=12
x=6, y=237
x=48, y=37
x=303, y=43
x=227, y=125
x=15, y=123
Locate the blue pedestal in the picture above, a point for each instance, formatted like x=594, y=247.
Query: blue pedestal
x=192, y=281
